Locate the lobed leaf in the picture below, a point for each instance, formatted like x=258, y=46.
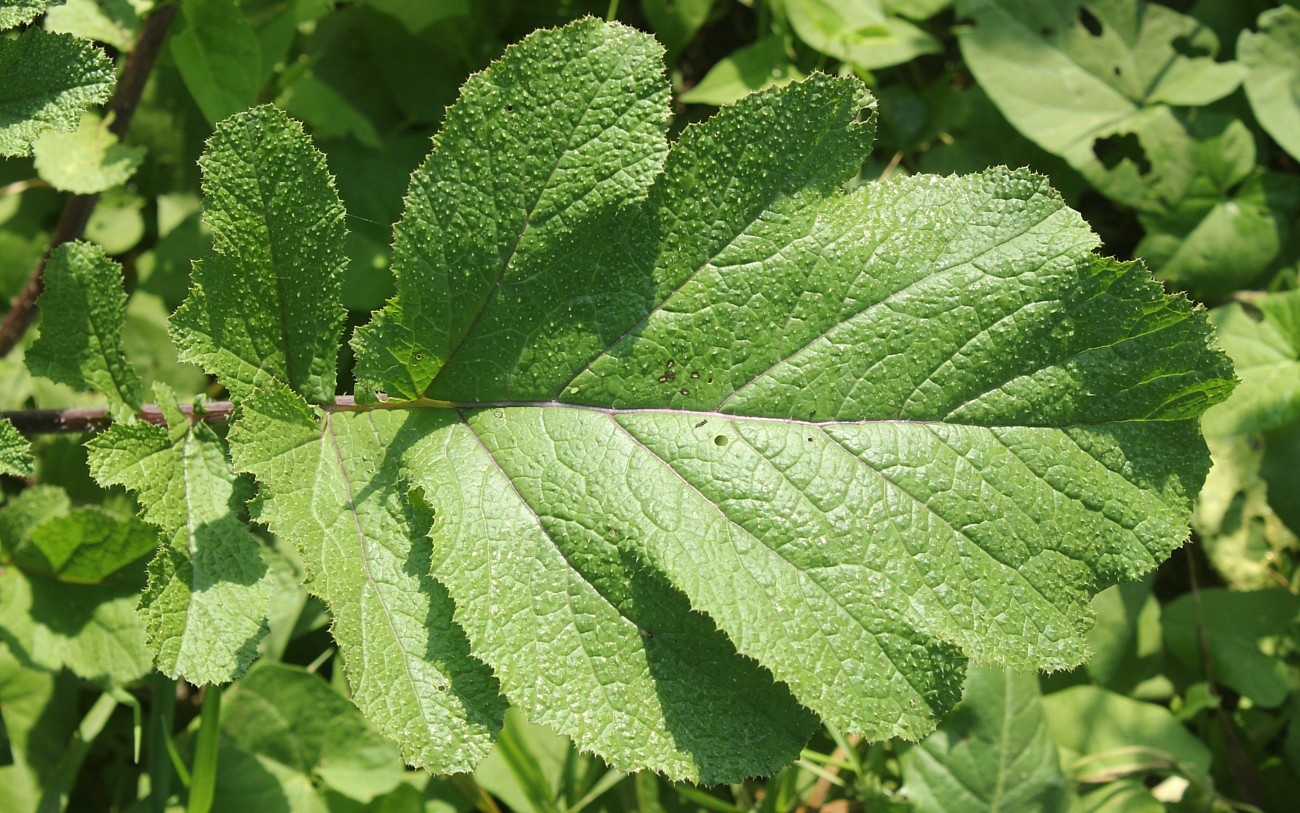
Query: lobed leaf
x=46, y=80
x=87, y=161
x=529, y=161
x=210, y=586
x=83, y=310
x=265, y=305
x=699, y=448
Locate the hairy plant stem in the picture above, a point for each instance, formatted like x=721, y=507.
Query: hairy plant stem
x=77, y=211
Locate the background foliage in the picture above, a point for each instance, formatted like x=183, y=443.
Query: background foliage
x=1172, y=126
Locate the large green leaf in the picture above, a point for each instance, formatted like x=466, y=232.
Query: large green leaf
x=1105, y=73
x=265, y=304
x=858, y=31
x=993, y=753
x=696, y=449
x=210, y=587
x=45, y=81
x=1272, y=59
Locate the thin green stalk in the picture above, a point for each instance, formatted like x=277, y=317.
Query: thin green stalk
x=203, y=780
x=162, y=715
x=55, y=798
x=523, y=765
x=613, y=11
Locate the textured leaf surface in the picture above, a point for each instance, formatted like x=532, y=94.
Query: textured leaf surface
x=529, y=163
x=1272, y=59
x=210, y=587
x=673, y=435
x=1102, y=71
x=83, y=309
x=87, y=161
x=993, y=753
x=16, y=12
x=45, y=81
x=265, y=305
x=334, y=490
x=15, y=451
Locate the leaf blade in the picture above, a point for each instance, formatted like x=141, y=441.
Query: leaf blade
x=47, y=80
x=210, y=588
x=265, y=305
x=84, y=300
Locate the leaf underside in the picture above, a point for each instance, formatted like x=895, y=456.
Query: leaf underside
x=678, y=450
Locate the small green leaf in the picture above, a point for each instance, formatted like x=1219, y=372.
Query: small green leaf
x=18, y=12
x=218, y=56
x=15, y=451
x=417, y=15
x=114, y=23
x=1214, y=245
x=210, y=587
x=87, y=161
x=1272, y=59
x=285, y=730
x=1264, y=343
x=676, y=22
x=88, y=545
x=859, y=32
x=40, y=715
x=993, y=753
x=91, y=629
x=758, y=66
x=1238, y=631
x=83, y=309
x=265, y=305
x=1125, y=641
x=1099, y=731
x=1240, y=531
x=46, y=80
